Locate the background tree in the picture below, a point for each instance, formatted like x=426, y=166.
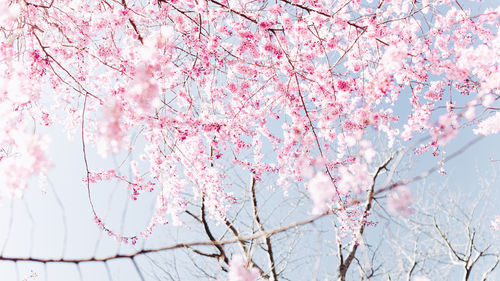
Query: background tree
x=448, y=235
x=256, y=127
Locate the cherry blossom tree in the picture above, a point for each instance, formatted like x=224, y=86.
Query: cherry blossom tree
x=220, y=108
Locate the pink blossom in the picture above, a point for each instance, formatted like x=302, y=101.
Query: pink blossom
x=433, y=95
x=321, y=190
x=488, y=100
x=28, y=160
x=31, y=275
x=446, y=129
x=239, y=271
x=495, y=224
x=9, y=12
x=470, y=113
x=488, y=126
x=343, y=85
x=113, y=129
x=399, y=201
x=275, y=9
x=354, y=177
x=367, y=151
x=394, y=57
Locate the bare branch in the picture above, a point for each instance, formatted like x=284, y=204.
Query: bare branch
x=270, y=256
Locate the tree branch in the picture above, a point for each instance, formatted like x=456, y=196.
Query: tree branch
x=270, y=256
